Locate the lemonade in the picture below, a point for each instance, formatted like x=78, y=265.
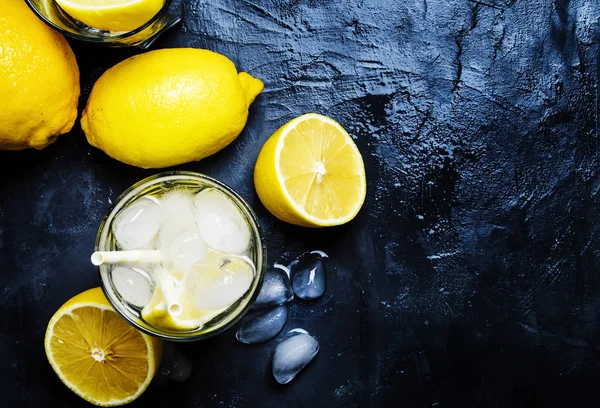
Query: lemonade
x=210, y=256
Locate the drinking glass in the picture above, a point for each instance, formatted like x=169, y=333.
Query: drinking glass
x=158, y=185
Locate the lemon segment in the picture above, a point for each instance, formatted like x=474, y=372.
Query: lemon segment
x=97, y=354
x=112, y=15
x=310, y=173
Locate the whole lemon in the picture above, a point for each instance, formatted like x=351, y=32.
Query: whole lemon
x=39, y=80
x=168, y=107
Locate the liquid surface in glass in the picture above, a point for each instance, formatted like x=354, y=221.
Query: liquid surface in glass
x=206, y=256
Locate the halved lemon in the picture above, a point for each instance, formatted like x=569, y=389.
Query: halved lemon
x=97, y=354
x=112, y=15
x=311, y=173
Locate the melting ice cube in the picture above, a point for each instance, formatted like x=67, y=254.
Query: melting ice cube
x=186, y=249
x=220, y=280
x=308, y=277
x=133, y=284
x=136, y=226
x=177, y=219
x=262, y=325
x=177, y=209
x=293, y=354
x=276, y=290
x=221, y=223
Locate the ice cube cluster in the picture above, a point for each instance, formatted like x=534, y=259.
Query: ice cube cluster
x=184, y=227
x=304, y=277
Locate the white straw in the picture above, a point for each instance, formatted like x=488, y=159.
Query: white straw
x=165, y=283
x=118, y=257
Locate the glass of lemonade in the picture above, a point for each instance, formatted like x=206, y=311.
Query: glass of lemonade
x=211, y=259
x=142, y=36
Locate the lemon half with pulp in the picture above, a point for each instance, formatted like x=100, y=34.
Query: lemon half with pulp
x=310, y=173
x=97, y=354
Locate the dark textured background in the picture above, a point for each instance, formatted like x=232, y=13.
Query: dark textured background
x=471, y=276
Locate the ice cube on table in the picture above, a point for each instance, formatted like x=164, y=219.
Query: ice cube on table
x=261, y=325
x=293, y=354
x=186, y=249
x=221, y=222
x=133, y=284
x=137, y=226
x=308, y=277
x=220, y=280
x=276, y=289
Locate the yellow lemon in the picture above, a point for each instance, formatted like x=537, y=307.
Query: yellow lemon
x=39, y=80
x=112, y=15
x=310, y=173
x=97, y=354
x=168, y=107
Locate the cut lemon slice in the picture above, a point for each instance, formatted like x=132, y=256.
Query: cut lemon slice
x=97, y=354
x=310, y=173
x=112, y=15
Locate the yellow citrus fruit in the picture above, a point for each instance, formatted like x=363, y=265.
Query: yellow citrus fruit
x=168, y=107
x=39, y=80
x=97, y=354
x=112, y=15
x=310, y=173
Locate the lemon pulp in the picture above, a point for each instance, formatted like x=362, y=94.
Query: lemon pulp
x=97, y=354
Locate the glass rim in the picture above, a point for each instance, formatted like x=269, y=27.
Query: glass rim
x=261, y=256
x=98, y=39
